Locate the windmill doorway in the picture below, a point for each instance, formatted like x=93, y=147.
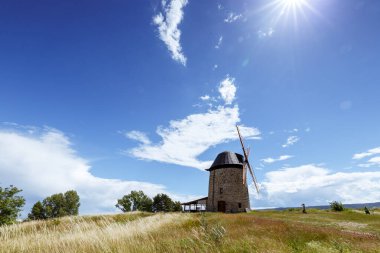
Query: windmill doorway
x=222, y=206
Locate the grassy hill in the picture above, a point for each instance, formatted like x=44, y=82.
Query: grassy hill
x=259, y=231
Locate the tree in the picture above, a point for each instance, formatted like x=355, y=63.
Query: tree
x=54, y=206
x=71, y=203
x=136, y=200
x=10, y=204
x=162, y=203
x=177, y=206
x=38, y=212
x=57, y=205
x=336, y=206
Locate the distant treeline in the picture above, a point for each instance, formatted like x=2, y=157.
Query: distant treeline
x=67, y=204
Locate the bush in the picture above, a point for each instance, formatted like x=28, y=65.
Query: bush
x=336, y=206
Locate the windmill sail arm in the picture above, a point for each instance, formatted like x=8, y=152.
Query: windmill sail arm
x=253, y=177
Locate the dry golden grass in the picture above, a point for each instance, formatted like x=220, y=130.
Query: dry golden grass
x=264, y=231
x=84, y=234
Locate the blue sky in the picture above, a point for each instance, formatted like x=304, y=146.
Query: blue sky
x=110, y=96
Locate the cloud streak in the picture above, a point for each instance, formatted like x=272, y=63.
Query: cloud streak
x=167, y=23
x=262, y=34
x=217, y=46
x=368, y=153
x=291, y=141
x=270, y=160
x=232, y=17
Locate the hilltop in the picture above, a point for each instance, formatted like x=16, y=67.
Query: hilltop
x=258, y=231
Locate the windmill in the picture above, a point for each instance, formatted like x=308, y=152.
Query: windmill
x=246, y=165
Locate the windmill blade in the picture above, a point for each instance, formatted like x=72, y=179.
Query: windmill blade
x=248, y=151
x=242, y=143
x=253, y=177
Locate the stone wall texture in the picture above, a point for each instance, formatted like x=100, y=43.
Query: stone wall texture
x=226, y=185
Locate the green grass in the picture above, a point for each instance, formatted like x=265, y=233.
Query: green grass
x=258, y=231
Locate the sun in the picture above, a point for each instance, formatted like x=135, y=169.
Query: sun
x=289, y=11
x=294, y=2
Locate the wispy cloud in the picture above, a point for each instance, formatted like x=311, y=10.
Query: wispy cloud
x=232, y=17
x=315, y=185
x=291, y=141
x=205, y=98
x=373, y=161
x=227, y=89
x=138, y=136
x=167, y=22
x=44, y=163
x=184, y=140
x=217, y=46
x=265, y=33
x=368, y=153
x=273, y=160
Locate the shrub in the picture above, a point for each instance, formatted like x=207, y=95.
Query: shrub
x=336, y=206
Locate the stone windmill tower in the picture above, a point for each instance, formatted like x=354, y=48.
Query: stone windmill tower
x=228, y=191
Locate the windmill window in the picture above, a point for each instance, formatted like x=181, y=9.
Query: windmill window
x=220, y=190
x=239, y=205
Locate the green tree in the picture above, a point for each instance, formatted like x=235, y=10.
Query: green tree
x=57, y=205
x=71, y=203
x=162, y=203
x=176, y=206
x=38, y=212
x=54, y=206
x=10, y=204
x=136, y=200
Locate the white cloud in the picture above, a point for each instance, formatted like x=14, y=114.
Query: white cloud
x=291, y=141
x=315, y=185
x=217, y=46
x=184, y=140
x=45, y=163
x=169, y=32
x=205, y=97
x=215, y=66
x=138, y=136
x=227, y=89
x=375, y=160
x=370, y=152
x=232, y=17
x=272, y=160
x=262, y=34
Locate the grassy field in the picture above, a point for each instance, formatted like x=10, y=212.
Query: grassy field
x=259, y=231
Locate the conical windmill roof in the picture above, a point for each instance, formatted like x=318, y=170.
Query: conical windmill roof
x=227, y=159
